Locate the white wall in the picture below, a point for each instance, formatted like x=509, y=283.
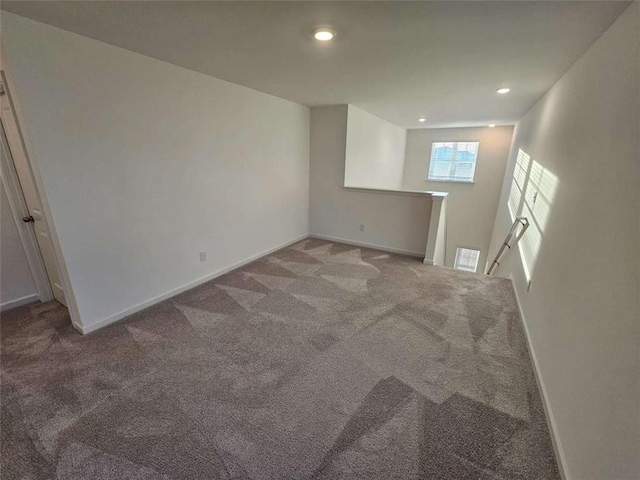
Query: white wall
x=471, y=208
x=375, y=151
x=146, y=164
x=16, y=281
x=582, y=311
x=399, y=221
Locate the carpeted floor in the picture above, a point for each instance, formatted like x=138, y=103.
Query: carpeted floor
x=319, y=361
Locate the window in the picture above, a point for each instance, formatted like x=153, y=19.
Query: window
x=453, y=161
x=466, y=259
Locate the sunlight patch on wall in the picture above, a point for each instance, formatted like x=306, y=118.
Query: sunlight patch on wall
x=520, y=173
x=539, y=194
x=533, y=190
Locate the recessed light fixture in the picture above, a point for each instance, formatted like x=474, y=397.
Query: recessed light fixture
x=324, y=34
x=422, y=120
x=491, y=125
x=502, y=91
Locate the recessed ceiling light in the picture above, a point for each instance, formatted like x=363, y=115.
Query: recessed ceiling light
x=422, y=120
x=502, y=91
x=491, y=125
x=324, y=34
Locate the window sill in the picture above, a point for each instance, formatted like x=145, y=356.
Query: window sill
x=451, y=181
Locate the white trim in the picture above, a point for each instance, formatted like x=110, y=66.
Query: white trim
x=555, y=439
x=18, y=207
x=399, y=251
x=18, y=302
x=34, y=166
x=152, y=301
x=465, y=182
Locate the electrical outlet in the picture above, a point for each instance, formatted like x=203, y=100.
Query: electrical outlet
x=203, y=256
x=362, y=228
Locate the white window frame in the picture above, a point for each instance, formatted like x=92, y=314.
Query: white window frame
x=453, y=163
x=455, y=260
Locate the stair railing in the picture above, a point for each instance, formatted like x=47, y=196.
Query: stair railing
x=524, y=222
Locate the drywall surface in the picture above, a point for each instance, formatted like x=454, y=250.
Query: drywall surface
x=582, y=310
x=146, y=164
x=16, y=281
x=392, y=220
x=375, y=151
x=471, y=208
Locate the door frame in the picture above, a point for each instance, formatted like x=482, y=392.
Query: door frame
x=19, y=209
x=18, y=205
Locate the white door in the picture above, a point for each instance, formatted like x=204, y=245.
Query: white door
x=31, y=197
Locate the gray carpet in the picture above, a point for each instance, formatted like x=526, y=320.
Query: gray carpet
x=319, y=361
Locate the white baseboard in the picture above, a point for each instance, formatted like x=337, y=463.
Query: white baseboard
x=130, y=311
x=84, y=329
x=368, y=245
x=18, y=302
x=555, y=439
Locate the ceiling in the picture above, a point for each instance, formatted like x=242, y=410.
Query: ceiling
x=397, y=60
